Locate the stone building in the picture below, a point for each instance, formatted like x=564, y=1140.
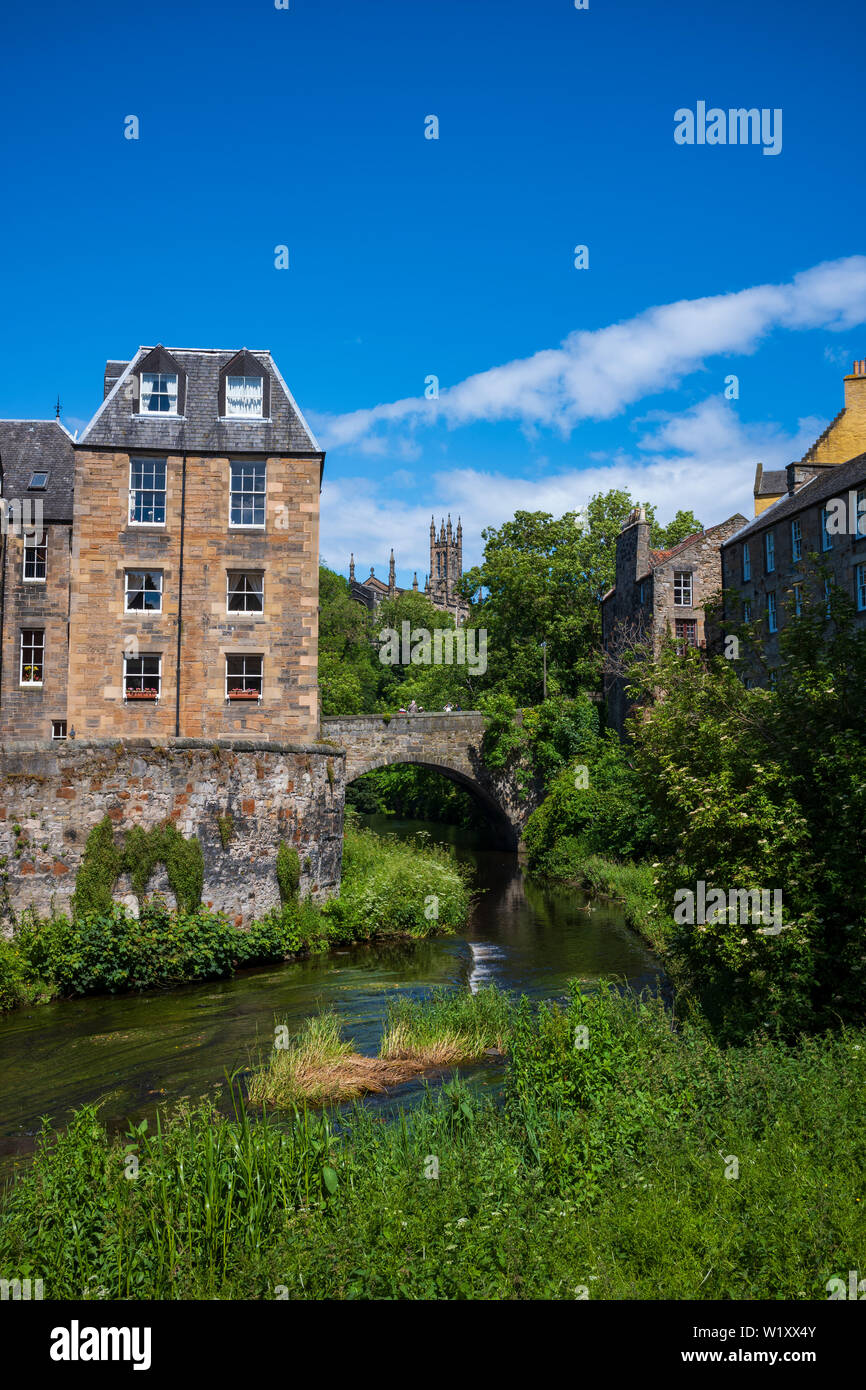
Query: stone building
x=657, y=593
x=182, y=559
x=371, y=591
x=37, y=465
x=819, y=514
x=441, y=585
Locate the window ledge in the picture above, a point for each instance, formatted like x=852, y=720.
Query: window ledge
x=156, y=415
x=30, y=685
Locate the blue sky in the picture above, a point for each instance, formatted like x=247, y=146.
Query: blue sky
x=452, y=257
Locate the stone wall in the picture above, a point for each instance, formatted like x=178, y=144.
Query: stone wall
x=55, y=794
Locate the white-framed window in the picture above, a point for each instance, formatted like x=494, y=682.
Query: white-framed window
x=35, y=558
x=143, y=591
x=142, y=677
x=747, y=562
x=244, y=397
x=32, y=655
x=860, y=587
x=245, y=591
x=247, y=492
x=158, y=393
x=244, y=676
x=796, y=540
x=770, y=552
x=147, y=492
x=39, y=481
x=798, y=600
x=58, y=729
x=826, y=537
x=861, y=513
x=682, y=588
x=772, y=613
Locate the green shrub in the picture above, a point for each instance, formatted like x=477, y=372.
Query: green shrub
x=288, y=872
x=396, y=887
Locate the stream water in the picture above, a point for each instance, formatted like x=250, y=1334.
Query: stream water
x=135, y=1052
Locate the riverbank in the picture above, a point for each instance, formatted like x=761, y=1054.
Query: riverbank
x=391, y=890
x=649, y=1163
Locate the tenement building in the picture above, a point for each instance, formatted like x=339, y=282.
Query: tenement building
x=171, y=585
x=657, y=594
x=810, y=538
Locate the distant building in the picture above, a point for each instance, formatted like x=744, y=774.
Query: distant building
x=657, y=593
x=441, y=585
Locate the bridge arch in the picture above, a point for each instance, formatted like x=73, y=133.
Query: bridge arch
x=448, y=743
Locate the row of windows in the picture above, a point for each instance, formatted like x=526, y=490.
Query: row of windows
x=244, y=395
x=147, y=492
x=829, y=530
x=245, y=591
x=772, y=603
x=142, y=675
x=143, y=589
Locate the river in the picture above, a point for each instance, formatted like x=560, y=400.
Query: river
x=134, y=1052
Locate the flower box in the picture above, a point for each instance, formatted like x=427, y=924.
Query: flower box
x=142, y=695
x=244, y=695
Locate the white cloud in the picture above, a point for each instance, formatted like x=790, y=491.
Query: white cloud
x=595, y=375
x=703, y=458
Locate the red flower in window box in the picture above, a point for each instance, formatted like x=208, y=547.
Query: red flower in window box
x=147, y=694
x=244, y=694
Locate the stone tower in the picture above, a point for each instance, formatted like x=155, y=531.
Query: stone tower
x=446, y=568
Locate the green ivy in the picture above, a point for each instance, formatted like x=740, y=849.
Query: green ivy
x=226, y=826
x=103, y=862
x=288, y=872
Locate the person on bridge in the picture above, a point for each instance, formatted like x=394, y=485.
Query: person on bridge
x=413, y=708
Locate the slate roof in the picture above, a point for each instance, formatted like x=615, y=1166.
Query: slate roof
x=771, y=482
x=830, y=482
x=115, y=425
x=30, y=445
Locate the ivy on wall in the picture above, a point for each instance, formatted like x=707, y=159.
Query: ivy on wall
x=288, y=872
x=103, y=862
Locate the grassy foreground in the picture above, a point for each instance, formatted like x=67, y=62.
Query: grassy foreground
x=390, y=888
x=629, y=1160
x=319, y=1065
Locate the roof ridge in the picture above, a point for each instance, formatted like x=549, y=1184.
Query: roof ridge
x=821, y=437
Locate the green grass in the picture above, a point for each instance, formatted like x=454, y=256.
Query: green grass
x=447, y=1028
x=318, y=1065
x=605, y=1171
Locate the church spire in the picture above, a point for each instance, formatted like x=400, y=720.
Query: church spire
x=392, y=577
x=352, y=568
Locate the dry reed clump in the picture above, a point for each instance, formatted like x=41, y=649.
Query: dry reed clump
x=318, y=1066
x=452, y=1046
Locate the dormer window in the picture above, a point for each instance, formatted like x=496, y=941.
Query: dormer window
x=244, y=396
x=160, y=384
x=38, y=480
x=158, y=393
x=244, y=388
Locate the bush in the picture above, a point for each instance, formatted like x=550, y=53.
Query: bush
x=396, y=888
x=288, y=872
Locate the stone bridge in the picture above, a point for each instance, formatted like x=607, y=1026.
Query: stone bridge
x=448, y=743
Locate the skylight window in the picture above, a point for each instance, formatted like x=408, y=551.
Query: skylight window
x=38, y=480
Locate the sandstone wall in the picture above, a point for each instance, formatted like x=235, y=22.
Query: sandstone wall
x=54, y=795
